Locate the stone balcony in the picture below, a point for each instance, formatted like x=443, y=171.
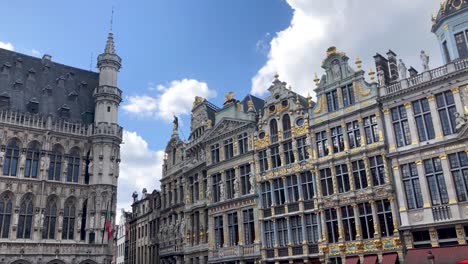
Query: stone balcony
x=424, y=78
x=235, y=252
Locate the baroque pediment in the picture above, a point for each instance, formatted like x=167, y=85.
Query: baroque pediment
x=224, y=127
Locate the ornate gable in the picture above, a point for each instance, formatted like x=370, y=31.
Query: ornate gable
x=225, y=127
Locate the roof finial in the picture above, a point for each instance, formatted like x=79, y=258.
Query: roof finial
x=112, y=19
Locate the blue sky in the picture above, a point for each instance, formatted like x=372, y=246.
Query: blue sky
x=174, y=50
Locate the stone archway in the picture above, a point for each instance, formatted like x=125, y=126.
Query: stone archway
x=20, y=261
x=88, y=262
x=56, y=261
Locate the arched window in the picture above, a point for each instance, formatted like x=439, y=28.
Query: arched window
x=55, y=165
x=5, y=214
x=286, y=126
x=25, y=217
x=274, y=130
x=68, y=228
x=73, y=168
x=32, y=160
x=11, y=158
x=50, y=219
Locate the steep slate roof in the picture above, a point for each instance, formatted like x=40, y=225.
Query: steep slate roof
x=51, y=87
x=447, y=9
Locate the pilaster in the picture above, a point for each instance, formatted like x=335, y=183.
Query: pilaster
x=435, y=117
x=375, y=219
x=411, y=123
x=389, y=129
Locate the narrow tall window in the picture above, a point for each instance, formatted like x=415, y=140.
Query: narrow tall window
x=459, y=169
x=286, y=126
x=282, y=231
x=377, y=170
x=422, y=115
x=73, y=167
x=337, y=139
x=359, y=174
x=174, y=156
x=32, y=161
x=462, y=48
x=354, y=135
x=342, y=178
x=307, y=181
x=228, y=149
x=243, y=142
x=266, y=195
x=10, y=166
x=275, y=157
x=68, y=228
x=296, y=229
x=218, y=231
x=349, y=223
x=249, y=226
x=230, y=176
x=401, y=126
x=263, y=160
x=348, y=95
x=446, y=52
x=331, y=222
x=25, y=218
x=371, y=129
x=273, y=131
x=245, y=178
x=332, y=101
x=293, y=188
x=384, y=212
x=5, y=214
x=321, y=142
x=233, y=229
x=216, y=187
x=278, y=189
x=302, y=148
x=214, y=153
x=312, y=230
x=436, y=181
x=366, y=220
x=50, y=220
x=269, y=233
x=288, y=153
x=446, y=108
x=326, y=181
x=55, y=165
x=409, y=174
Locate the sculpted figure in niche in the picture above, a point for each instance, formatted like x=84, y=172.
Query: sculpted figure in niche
x=460, y=121
x=402, y=69
x=2, y=155
x=252, y=184
x=336, y=70
x=221, y=190
x=236, y=187
x=381, y=77
x=424, y=60
x=175, y=124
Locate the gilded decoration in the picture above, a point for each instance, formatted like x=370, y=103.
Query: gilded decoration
x=320, y=105
x=362, y=92
x=302, y=130
x=262, y=143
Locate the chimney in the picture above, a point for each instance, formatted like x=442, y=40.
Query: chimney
x=381, y=63
x=392, y=63
x=46, y=58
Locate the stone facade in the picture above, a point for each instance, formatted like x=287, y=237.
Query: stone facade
x=59, y=158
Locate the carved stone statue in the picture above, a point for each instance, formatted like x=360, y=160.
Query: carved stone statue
x=381, y=77
x=135, y=196
x=221, y=190
x=2, y=156
x=90, y=167
x=208, y=193
x=402, y=69
x=37, y=220
x=228, y=97
x=336, y=70
x=252, y=184
x=460, y=121
x=91, y=221
x=424, y=60
x=236, y=187
x=79, y=222
x=182, y=228
x=101, y=166
x=175, y=124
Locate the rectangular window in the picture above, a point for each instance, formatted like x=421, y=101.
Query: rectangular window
x=278, y=189
x=331, y=222
x=371, y=129
x=349, y=223
x=446, y=108
x=266, y=195
x=384, y=212
x=245, y=178
x=321, y=142
x=243, y=142
x=342, y=178
x=288, y=153
x=359, y=174
x=269, y=233
x=31, y=164
x=401, y=126
x=348, y=95
x=446, y=52
x=216, y=187
x=461, y=45
x=296, y=229
x=366, y=220
x=459, y=168
x=307, y=181
x=228, y=149
x=377, y=170
x=275, y=157
x=423, y=118
x=214, y=153
x=249, y=226
x=293, y=188
x=302, y=148
x=354, y=134
x=436, y=181
x=262, y=160
x=230, y=177
x=337, y=139
x=233, y=229
x=332, y=101
x=326, y=181
x=409, y=174
x=218, y=231
x=282, y=231
x=312, y=229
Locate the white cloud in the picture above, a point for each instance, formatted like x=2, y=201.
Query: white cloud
x=176, y=98
x=6, y=45
x=141, y=168
x=359, y=28
x=35, y=52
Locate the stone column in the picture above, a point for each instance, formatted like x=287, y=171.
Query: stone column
x=315, y=172
x=237, y=182
x=370, y=181
x=299, y=184
x=286, y=191
x=345, y=135
x=295, y=152
x=400, y=192
x=211, y=233
x=388, y=179
x=458, y=101
x=411, y=123
x=352, y=184
x=240, y=228
x=380, y=126
x=362, y=131
x=423, y=182
x=303, y=229
x=323, y=225
x=395, y=215
x=225, y=230
x=333, y=174
x=257, y=227
x=389, y=130
x=222, y=189
x=357, y=220
x=450, y=184
x=434, y=237
x=435, y=117
x=375, y=219
x=340, y=98
x=288, y=223
x=281, y=152
x=311, y=147
x=330, y=142
x=340, y=224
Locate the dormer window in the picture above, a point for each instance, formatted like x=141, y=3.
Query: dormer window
x=332, y=101
x=274, y=130
x=33, y=106
x=64, y=111
x=72, y=96
x=4, y=100
x=286, y=126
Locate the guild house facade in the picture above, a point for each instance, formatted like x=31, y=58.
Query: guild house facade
x=59, y=159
